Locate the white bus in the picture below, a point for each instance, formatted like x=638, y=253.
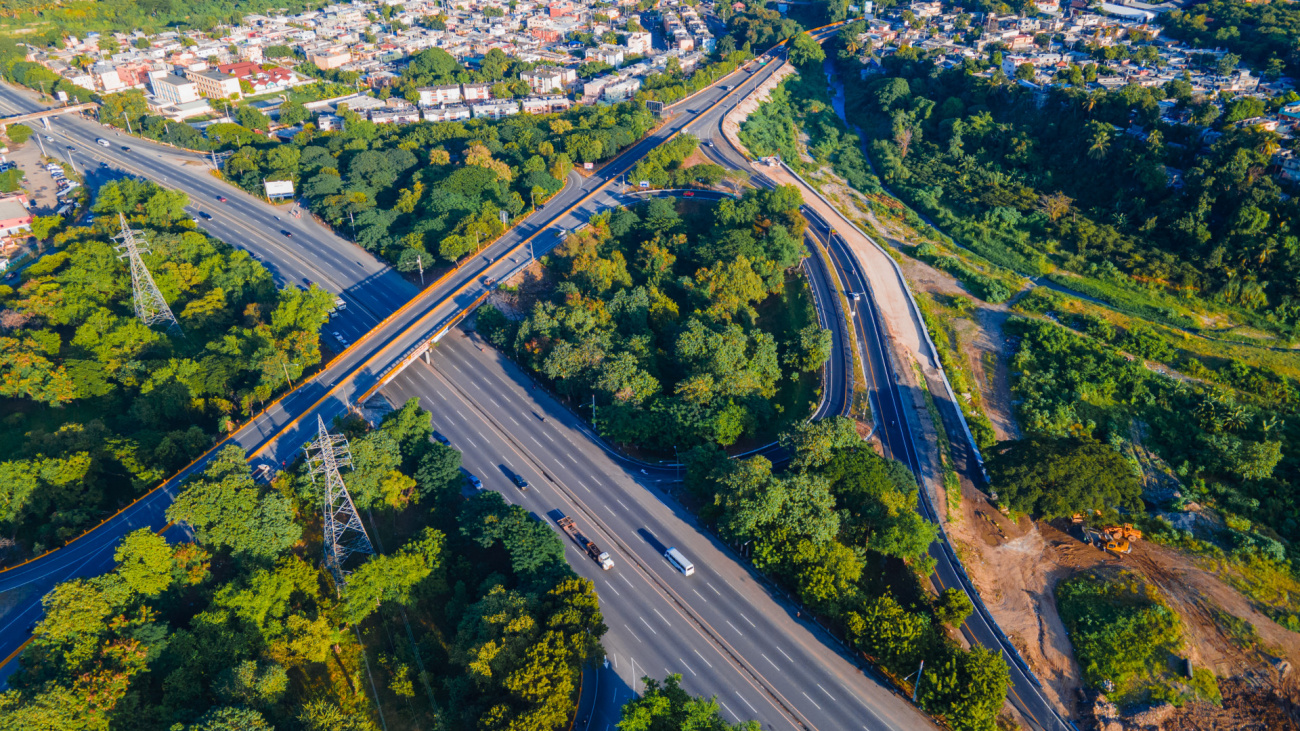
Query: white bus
x=679, y=561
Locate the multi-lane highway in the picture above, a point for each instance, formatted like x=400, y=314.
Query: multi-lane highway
x=734, y=640
x=274, y=436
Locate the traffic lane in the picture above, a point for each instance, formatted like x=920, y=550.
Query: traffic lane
x=259, y=237
x=337, y=253
x=737, y=606
x=978, y=629
x=834, y=382
x=338, y=263
x=645, y=629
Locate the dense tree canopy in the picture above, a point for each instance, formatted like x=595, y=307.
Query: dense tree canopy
x=658, y=313
x=1052, y=477
x=105, y=407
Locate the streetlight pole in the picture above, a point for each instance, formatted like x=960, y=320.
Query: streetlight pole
x=420, y=263
x=286, y=371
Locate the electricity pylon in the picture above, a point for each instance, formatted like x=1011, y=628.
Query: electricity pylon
x=343, y=533
x=150, y=306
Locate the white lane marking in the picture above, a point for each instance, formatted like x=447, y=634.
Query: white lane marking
x=471, y=442
x=611, y=587
x=517, y=423
x=571, y=459
x=629, y=631
x=791, y=659
x=733, y=713
x=751, y=624
x=620, y=502
x=742, y=634
x=584, y=486
x=828, y=693
x=706, y=661
x=611, y=510
x=742, y=698
x=462, y=415
x=507, y=459
x=688, y=667
x=476, y=431
x=548, y=436
x=701, y=596
x=627, y=581
x=769, y=662
x=810, y=700
x=507, y=398
x=715, y=591
x=534, y=440
x=477, y=386
x=494, y=401
x=665, y=619
x=458, y=370
x=647, y=624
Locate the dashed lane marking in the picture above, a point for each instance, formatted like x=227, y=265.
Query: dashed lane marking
x=742, y=699
x=701, y=596
x=769, y=662
x=629, y=631
x=647, y=624
x=828, y=693
x=715, y=591
x=729, y=624
x=706, y=662
x=688, y=667
x=783, y=653
x=810, y=700
x=611, y=587
x=751, y=624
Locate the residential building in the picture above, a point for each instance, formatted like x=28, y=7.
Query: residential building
x=548, y=79
x=215, y=85
x=172, y=89
x=329, y=58
x=14, y=216
x=545, y=104
x=639, y=43
x=447, y=113
x=495, y=109
x=438, y=95
x=476, y=92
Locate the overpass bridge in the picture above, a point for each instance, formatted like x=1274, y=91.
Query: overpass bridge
x=51, y=112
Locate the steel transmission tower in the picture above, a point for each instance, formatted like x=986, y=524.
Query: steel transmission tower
x=150, y=306
x=343, y=533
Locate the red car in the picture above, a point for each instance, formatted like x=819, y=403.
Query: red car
x=221, y=198
x=689, y=194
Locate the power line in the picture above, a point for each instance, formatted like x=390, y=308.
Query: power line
x=343, y=533
x=150, y=307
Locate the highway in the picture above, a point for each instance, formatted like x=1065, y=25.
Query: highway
x=725, y=630
x=273, y=436
x=736, y=629
x=371, y=288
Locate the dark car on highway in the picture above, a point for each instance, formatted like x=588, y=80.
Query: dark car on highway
x=519, y=480
x=287, y=234
x=125, y=148
x=221, y=198
x=444, y=441
x=205, y=215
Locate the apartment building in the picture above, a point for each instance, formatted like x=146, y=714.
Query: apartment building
x=549, y=79
x=438, y=95
x=172, y=89
x=213, y=84
x=476, y=92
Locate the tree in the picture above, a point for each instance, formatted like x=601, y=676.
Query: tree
x=666, y=707
x=18, y=133
x=392, y=577
x=144, y=561
x=953, y=607
x=1052, y=477
x=227, y=509
x=805, y=51
x=292, y=113
x=816, y=443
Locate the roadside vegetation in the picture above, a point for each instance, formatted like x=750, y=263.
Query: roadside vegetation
x=1128, y=640
x=683, y=321
x=100, y=408
x=468, y=618
x=839, y=529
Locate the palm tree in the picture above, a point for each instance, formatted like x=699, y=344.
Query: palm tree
x=1100, y=145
